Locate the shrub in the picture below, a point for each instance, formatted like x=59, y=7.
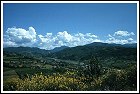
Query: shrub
x=115, y=79
x=40, y=82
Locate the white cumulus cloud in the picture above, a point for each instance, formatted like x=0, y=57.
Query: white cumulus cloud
x=123, y=33
x=65, y=36
x=21, y=37
x=120, y=40
x=18, y=36
x=65, y=39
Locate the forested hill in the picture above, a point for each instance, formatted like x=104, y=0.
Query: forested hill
x=27, y=51
x=101, y=50
x=80, y=53
x=57, y=49
x=133, y=45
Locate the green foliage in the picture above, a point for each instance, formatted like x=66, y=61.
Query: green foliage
x=10, y=84
x=132, y=76
x=119, y=70
x=117, y=80
x=93, y=69
x=112, y=80
x=101, y=50
x=42, y=82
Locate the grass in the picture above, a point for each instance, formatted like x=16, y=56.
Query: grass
x=9, y=74
x=14, y=73
x=24, y=71
x=6, y=69
x=47, y=66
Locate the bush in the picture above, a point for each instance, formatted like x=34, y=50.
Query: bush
x=117, y=80
x=39, y=82
x=11, y=84
x=113, y=79
x=131, y=79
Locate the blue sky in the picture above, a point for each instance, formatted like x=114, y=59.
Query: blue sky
x=52, y=25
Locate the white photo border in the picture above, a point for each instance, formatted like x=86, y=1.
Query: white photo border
x=2, y=2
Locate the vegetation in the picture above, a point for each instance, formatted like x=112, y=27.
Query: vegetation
x=96, y=68
x=102, y=51
x=112, y=80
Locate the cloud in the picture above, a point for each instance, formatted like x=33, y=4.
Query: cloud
x=65, y=36
x=65, y=39
x=21, y=37
x=123, y=33
x=9, y=43
x=18, y=36
x=90, y=35
x=120, y=40
x=117, y=41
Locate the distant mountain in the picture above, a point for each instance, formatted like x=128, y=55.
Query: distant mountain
x=94, y=44
x=80, y=53
x=58, y=49
x=133, y=45
x=28, y=51
x=98, y=49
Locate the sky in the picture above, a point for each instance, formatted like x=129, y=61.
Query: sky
x=50, y=25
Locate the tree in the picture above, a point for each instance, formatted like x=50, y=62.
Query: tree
x=94, y=67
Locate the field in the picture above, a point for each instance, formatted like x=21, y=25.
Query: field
x=57, y=74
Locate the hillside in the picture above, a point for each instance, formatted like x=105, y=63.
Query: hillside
x=80, y=53
x=100, y=50
x=57, y=49
x=27, y=51
x=95, y=65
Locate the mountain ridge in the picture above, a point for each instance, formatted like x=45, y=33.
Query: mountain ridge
x=79, y=53
x=56, y=49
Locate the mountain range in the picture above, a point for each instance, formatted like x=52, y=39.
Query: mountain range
x=79, y=53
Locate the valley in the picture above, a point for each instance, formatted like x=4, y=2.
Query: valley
x=83, y=63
